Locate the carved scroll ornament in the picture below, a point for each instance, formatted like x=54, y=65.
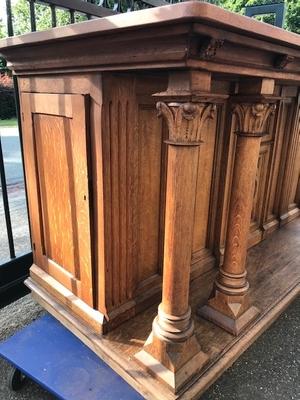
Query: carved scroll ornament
x=185, y=120
x=252, y=118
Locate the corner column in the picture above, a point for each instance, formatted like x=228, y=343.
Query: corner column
x=172, y=352
x=229, y=305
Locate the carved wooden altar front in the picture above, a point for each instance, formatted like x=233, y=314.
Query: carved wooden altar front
x=162, y=166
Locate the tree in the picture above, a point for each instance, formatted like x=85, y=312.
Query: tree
x=21, y=14
x=2, y=35
x=2, y=30
x=21, y=17
x=292, y=18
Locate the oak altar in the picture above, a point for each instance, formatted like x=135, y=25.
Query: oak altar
x=162, y=164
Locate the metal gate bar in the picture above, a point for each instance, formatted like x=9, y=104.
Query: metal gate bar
x=10, y=237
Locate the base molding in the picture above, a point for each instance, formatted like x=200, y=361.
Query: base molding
x=274, y=276
x=135, y=375
x=270, y=226
x=233, y=326
x=98, y=322
x=289, y=216
x=104, y=322
x=177, y=378
x=40, y=279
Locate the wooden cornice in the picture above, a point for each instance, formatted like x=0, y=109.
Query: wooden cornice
x=191, y=11
x=192, y=34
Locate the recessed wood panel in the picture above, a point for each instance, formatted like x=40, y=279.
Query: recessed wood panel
x=295, y=177
x=149, y=166
x=57, y=175
x=260, y=184
x=259, y=193
x=55, y=167
x=289, y=167
x=263, y=175
x=270, y=221
x=204, y=185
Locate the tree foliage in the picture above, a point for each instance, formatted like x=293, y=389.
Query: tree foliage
x=21, y=14
x=2, y=30
x=2, y=35
x=292, y=15
x=7, y=98
x=292, y=19
x=21, y=17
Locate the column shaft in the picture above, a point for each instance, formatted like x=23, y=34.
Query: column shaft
x=172, y=352
x=180, y=201
x=246, y=158
x=228, y=305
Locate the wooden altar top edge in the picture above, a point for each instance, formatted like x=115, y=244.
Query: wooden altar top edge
x=159, y=16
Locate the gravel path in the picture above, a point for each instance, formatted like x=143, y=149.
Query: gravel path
x=269, y=370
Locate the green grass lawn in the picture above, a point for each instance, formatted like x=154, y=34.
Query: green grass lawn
x=8, y=122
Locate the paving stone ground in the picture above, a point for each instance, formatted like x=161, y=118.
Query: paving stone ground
x=268, y=370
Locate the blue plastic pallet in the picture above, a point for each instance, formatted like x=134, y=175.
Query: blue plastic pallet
x=49, y=354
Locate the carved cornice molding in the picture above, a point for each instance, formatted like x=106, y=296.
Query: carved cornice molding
x=209, y=47
x=185, y=120
x=252, y=118
x=283, y=60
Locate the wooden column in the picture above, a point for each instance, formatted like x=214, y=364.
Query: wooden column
x=172, y=352
x=229, y=305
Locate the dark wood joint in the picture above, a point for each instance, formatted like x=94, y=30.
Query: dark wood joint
x=282, y=60
x=209, y=47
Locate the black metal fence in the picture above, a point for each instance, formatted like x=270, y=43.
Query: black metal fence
x=16, y=260
x=88, y=8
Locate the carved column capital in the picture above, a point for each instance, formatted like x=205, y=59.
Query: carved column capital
x=185, y=120
x=252, y=117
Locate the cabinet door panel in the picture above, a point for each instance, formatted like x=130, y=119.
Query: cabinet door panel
x=56, y=162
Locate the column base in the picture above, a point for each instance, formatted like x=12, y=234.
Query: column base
x=172, y=363
x=231, y=325
x=231, y=312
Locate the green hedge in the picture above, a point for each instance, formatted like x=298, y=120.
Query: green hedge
x=7, y=99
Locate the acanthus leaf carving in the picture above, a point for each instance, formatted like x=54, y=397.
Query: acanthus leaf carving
x=252, y=118
x=185, y=120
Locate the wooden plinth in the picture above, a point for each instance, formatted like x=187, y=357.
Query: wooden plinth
x=174, y=379
x=273, y=272
x=234, y=326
